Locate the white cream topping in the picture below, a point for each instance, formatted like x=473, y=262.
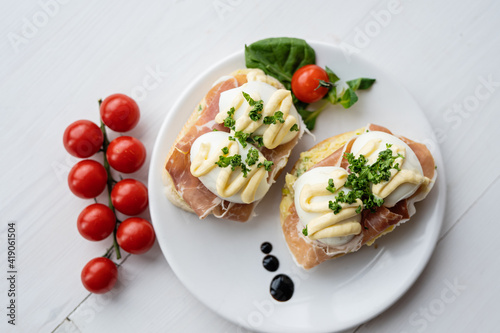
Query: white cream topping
x=273, y=100
x=312, y=204
x=223, y=182
x=402, y=184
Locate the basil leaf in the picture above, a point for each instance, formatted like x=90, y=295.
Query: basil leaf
x=331, y=96
x=279, y=57
x=331, y=75
x=348, y=98
x=361, y=83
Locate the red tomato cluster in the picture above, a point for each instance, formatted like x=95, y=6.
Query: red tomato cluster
x=88, y=179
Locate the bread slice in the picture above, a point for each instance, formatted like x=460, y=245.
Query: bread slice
x=174, y=193
x=308, y=253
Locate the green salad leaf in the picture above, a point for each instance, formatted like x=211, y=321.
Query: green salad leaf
x=279, y=57
x=347, y=96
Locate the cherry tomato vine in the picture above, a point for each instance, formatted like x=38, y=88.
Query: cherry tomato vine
x=88, y=178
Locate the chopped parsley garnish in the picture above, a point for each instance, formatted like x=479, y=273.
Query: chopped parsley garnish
x=244, y=169
x=256, y=112
x=304, y=231
x=331, y=186
x=267, y=165
x=242, y=137
x=342, y=197
x=224, y=161
x=361, y=177
x=277, y=117
x=335, y=206
x=236, y=161
x=256, y=139
x=295, y=127
x=252, y=156
x=233, y=161
x=229, y=121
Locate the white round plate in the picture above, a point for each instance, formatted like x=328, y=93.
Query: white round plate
x=220, y=261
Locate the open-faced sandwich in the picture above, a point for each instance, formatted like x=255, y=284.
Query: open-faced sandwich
x=349, y=190
x=233, y=146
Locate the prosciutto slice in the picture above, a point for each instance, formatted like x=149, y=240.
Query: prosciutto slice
x=310, y=253
x=201, y=200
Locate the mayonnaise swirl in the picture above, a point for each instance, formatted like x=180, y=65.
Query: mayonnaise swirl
x=313, y=204
x=228, y=182
x=275, y=100
x=256, y=74
x=409, y=175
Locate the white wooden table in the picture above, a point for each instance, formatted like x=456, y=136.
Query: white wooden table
x=58, y=57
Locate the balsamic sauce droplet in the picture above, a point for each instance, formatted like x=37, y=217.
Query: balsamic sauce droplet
x=266, y=247
x=282, y=288
x=271, y=263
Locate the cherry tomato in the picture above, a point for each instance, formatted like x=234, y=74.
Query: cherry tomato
x=82, y=138
x=126, y=154
x=120, y=112
x=129, y=196
x=99, y=275
x=96, y=222
x=87, y=179
x=305, y=82
x=135, y=235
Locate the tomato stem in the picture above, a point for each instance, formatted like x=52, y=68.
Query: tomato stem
x=111, y=181
x=316, y=113
x=108, y=251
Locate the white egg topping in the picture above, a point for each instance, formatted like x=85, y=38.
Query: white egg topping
x=402, y=183
x=327, y=209
x=226, y=169
x=274, y=102
x=312, y=201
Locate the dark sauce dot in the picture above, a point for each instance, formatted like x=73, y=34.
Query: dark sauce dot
x=266, y=247
x=282, y=288
x=271, y=263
